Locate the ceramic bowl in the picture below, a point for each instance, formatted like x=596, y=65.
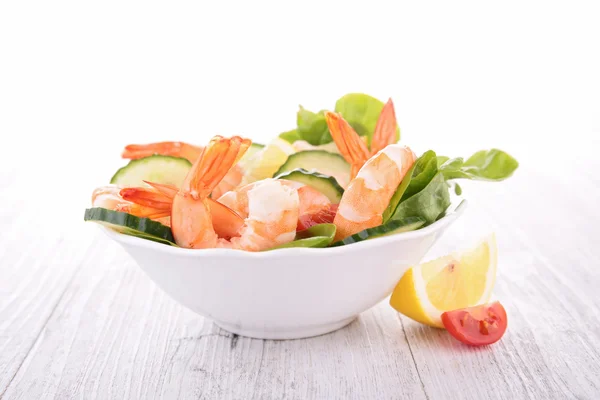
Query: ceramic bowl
x=285, y=293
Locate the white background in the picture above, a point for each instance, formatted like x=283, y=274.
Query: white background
x=79, y=80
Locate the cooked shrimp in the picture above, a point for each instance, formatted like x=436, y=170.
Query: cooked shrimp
x=272, y=206
x=175, y=149
x=189, y=152
x=110, y=197
x=352, y=147
x=311, y=201
x=369, y=193
x=160, y=197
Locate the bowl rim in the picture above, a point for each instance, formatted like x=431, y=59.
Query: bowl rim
x=291, y=251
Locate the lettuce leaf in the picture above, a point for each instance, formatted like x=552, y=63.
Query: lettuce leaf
x=429, y=203
x=312, y=127
x=397, y=197
x=290, y=136
x=316, y=236
x=425, y=169
x=420, y=174
x=360, y=110
x=485, y=165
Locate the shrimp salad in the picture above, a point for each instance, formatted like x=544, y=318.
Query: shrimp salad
x=340, y=177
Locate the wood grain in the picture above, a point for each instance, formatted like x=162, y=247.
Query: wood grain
x=38, y=262
x=78, y=319
x=115, y=335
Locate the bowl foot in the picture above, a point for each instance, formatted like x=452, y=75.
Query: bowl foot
x=283, y=334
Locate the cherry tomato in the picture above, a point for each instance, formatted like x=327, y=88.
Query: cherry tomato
x=477, y=326
x=324, y=216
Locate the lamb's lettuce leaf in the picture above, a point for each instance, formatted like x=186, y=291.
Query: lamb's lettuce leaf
x=428, y=203
x=486, y=165
x=320, y=235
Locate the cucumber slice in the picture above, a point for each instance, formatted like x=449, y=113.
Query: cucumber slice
x=390, y=228
x=318, y=161
x=156, y=168
x=323, y=183
x=131, y=225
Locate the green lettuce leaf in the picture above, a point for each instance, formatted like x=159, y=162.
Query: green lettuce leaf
x=291, y=136
x=316, y=236
x=424, y=170
x=395, y=200
x=441, y=160
x=457, y=189
x=312, y=127
x=485, y=165
x=416, y=179
x=428, y=203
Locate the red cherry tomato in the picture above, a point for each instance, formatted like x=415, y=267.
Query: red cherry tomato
x=324, y=216
x=477, y=326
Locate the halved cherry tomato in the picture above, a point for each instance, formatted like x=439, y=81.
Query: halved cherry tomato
x=477, y=326
x=324, y=216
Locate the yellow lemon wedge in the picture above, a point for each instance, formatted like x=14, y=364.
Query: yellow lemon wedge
x=266, y=162
x=458, y=280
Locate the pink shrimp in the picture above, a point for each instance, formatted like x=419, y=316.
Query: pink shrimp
x=110, y=197
x=313, y=205
x=272, y=206
x=155, y=203
x=311, y=201
x=159, y=198
x=188, y=151
x=374, y=180
x=175, y=149
x=352, y=147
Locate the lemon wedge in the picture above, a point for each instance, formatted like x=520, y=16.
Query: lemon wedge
x=458, y=280
x=266, y=162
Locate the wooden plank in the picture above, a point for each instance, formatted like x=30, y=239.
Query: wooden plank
x=37, y=264
x=108, y=332
x=115, y=335
x=547, y=282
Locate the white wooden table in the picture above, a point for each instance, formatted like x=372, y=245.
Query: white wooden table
x=78, y=319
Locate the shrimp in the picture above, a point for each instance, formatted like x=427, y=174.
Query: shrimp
x=155, y=203
x=110, y=197
x=375, y=181
x=160, y=197
x=272, y=206
x=311, y=201
x=189, y=152
x=313, y=205
x=352, y=147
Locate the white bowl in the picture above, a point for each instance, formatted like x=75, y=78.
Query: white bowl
x=286, y=293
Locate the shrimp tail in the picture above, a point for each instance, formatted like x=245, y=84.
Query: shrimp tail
x=175, y=149
x=215, y=162
x=147, y=197
x=385, y=129
x=157, y=202
x=166, y=189
x=191, y=219
x=349, y=143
